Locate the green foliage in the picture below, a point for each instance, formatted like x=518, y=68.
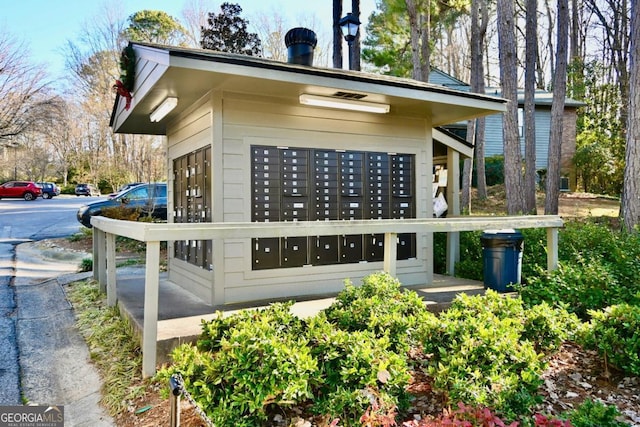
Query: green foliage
x=615, y=333
x=245, y=364
x=381, y=307
x=493, y=169
x=388, y=33
x=227, y=32
x=599, y=267
x=155, y=26
x=485, y=350
x=470, y=265
x=600, y=141
x=356, y=369
x=86, y=265
x=594, y=414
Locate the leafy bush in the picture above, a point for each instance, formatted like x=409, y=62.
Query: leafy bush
x=485, y=350
x=381, y=307
x=251, y=363
x=582, y=286
x=357, y=369
x=245, y=364
x=86, y=265
x=594, y=414
x=615, y=333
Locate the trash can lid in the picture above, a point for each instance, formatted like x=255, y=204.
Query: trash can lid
x=507, y=237
x=501, y=231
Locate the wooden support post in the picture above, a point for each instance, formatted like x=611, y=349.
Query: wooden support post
x=390, y=253
x=150, y=321
x=95, y=252
x=453, y=251
x=453, y=200
x=112, y=296
x=101, y=259
x=552, y=249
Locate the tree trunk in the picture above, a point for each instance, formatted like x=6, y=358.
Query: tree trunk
x=631, y=185
x=508, y=78
x=337, y=34
x=354, y=52
x=557, y=111
x=414, y=28
x=531, y=49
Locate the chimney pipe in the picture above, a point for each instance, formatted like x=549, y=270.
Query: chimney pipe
x=300, y=44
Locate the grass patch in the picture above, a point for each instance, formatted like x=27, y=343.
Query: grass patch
x=112, y=348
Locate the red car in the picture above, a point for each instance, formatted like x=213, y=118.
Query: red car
x=27, y=190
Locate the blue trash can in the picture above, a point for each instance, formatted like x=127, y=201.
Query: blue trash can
x=502, y=258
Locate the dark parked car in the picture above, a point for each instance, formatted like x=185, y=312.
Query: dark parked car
x=49, y=189
x=147, y=198
x=27, y=190
x=87, y=190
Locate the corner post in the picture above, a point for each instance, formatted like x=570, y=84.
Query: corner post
x=112, y=295
x=150, y=321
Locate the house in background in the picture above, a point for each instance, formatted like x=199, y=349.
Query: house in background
x=255, y=140
x=493, y=134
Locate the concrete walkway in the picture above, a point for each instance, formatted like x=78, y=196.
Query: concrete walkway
x=55, y=365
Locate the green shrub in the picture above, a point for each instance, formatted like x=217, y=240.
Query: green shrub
x=485, y=350
x=594, y=414
x=122, y=213
x=381, y=307
x=581, y=286
x=357, y=369
x=246, y=364
x=86, y=265
x=615, y=333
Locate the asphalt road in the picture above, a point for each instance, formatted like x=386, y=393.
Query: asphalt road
x=44, y=360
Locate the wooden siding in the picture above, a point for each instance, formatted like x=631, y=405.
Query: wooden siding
x=249, y=121
x=191, y=132
x=494, y=144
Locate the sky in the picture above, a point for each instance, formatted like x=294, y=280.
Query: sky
x=46, y=25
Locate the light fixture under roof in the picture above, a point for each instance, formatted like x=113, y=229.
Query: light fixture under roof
x=163, y=109
x=343, y=104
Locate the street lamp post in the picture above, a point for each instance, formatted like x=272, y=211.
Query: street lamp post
x=350, y=25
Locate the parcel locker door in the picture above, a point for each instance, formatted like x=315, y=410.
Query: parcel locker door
x=325, y=250
x=265, y=253
x=351, y=248
x=406, y=246
x=374, y=247
x=294, y=251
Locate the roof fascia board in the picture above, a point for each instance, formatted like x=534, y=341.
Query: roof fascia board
x=446, y=139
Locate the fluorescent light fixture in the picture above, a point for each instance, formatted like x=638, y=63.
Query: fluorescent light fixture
x=163, y=109
x=343, y=104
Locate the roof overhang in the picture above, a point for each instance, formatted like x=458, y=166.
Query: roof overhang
x=188, y=74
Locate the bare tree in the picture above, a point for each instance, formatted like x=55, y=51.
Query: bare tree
x=631, y=184
x=508, y=77
x=475, y=128
x=337, y=34
x=194, y=19
x=531, y=53
x=27, y=98
x=271, y=31
x=557, y=111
